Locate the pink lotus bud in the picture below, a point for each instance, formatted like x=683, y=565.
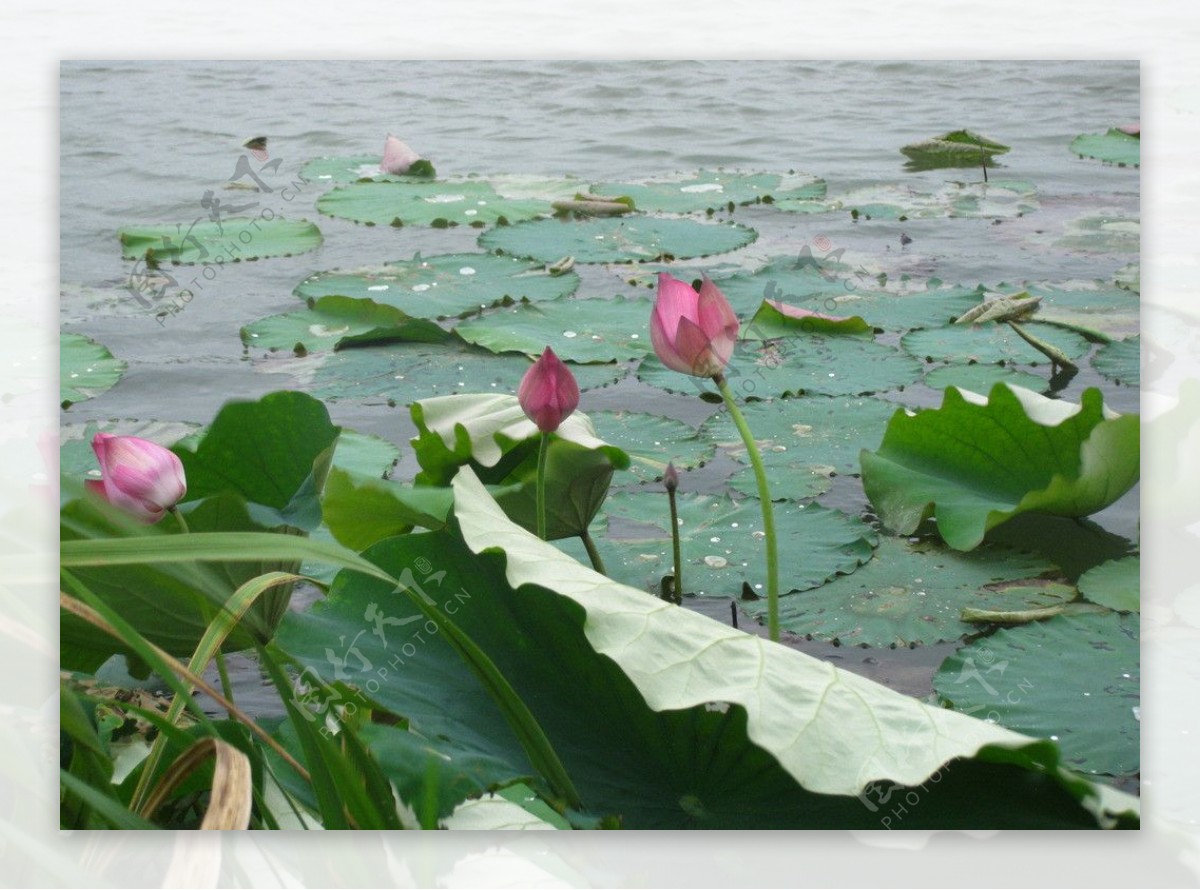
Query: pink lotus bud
x=693, y=333
x=397, y=157
x=671, y=477
x=140, y=477
x=548, y=393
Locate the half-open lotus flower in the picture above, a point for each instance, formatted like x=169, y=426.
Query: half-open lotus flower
x=693, y=333
x=548, y=393
x=397, y=157
x=140, y=477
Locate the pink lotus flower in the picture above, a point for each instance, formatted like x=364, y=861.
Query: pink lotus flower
x=140, y=477
x=397, y=157
x=548, y=393
x=693, y=333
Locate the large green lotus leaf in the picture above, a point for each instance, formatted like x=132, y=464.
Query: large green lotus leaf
x=990, y=343
x=365, y=455
x=1074, y=680
x=723, y=544
x=806, y=363
x=712, y=189
x=913, y=592
x=630, y=239
x=443, y=286
x=438, y=204
x=343, y=170
x=652, y=441
x=661, y=717
x=399, y=375
x=998, y=199
x=333, y=322
x=958, y=148
x=976, y=462
x=1106, y=232
x=1113, y=147
x=1100, y=307
x=85, y=369
x=814, y=436
x=271, y=452
x=1120, y=361
x=774, y=320
x=595, y=330
x=982, y=377
x=231, y=240
x=491, y=434
x=360, y=511
x=1115, y=584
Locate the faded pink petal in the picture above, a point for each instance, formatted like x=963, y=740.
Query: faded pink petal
x=796, y=312
x=548, y=392
x=1132, y=129
x=397, y=157
x=138, y=476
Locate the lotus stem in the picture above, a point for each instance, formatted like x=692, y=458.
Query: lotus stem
x=593, y=554
x=543, y=453
x=183, y=526
x=671, y=482
x=768, y=510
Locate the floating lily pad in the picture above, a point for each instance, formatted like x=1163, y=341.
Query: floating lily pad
x=1096, y=309
x=1113, y=232
x=722, y=542
x=998, y=199
x=990, y=343
x=930, y=307
x=822, y=434
x=595, y=330
x=343, y=170
x=86, y=369
x=1074, y=680
x=774, y=320
x=1120, y=361
x=982, y=377
x=974, y=463
x=632, y=239
x=959, y=148
x=333, y=322
x=231, y=240
x=695, y=193
x=1113, y=147
x=1115, y=584
x=437, y=204
x=400, y=375
x=833, y=366
x=913, y=592
x=807, y=281
x=1129, y=277
x=443, y=286
x=652, y=441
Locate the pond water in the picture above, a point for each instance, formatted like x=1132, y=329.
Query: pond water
x=156, y=142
